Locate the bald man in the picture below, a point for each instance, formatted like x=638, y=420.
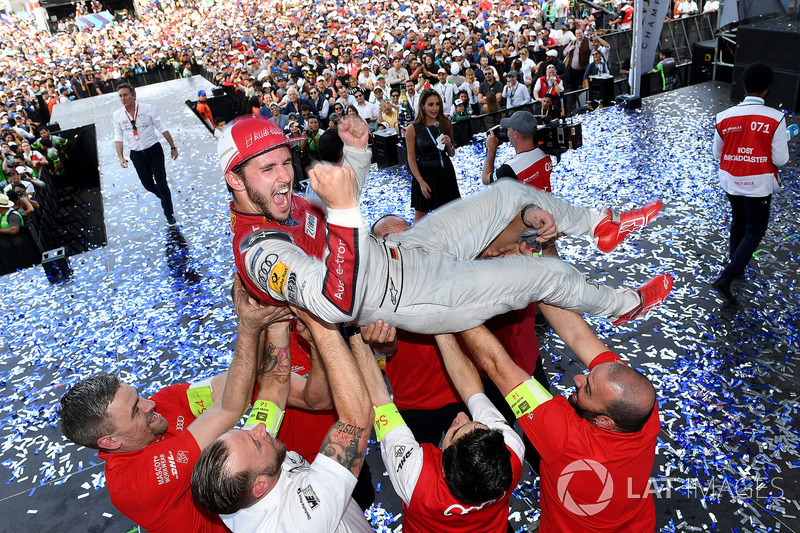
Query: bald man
x=597, y=446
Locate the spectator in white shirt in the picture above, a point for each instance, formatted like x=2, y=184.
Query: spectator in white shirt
x=515, y=93
x=366, y=110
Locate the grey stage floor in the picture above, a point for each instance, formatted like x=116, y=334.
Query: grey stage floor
x=153, y=305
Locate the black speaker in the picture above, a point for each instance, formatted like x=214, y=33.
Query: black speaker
x=702, y=61
x=601, y=89
x=56, y=265
x=626, y=101
x=770, y=41
x=384, y=147
x=784, y=93
x=218, y=91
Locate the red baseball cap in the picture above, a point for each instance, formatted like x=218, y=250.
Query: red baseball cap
x=246, y=138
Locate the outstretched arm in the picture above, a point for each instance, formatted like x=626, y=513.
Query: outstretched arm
x=575, y=333
x=461, y=370
x=493, y=358
x=314, y=392
x=275, y=365
x=378, y=393
x=492, y=142
x=221, y=416
x=346, y=442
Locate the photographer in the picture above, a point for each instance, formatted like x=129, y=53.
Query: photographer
x=530, y=165
x=310, y=145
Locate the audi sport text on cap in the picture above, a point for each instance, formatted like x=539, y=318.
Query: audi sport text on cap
x=247, y=138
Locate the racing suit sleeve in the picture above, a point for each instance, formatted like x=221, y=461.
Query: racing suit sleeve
x=359, y=160
x=402, y=455
x=331, y=289
x=356, y=158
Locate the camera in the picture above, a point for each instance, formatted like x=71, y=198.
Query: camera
x=500, y=132
x=553, y=138
x=558, y=136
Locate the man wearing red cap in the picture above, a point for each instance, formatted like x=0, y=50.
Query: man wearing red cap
x=414, y=280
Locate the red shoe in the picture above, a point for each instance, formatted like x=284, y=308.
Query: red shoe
x=615, y=227
x=652, y=294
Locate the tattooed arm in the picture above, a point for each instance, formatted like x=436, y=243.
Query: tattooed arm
x=223, y=414
x=275, y=365
x=346, y=442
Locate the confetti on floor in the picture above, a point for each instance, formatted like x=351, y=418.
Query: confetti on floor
x=154, y=306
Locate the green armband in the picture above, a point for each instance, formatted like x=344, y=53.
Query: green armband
x=200, y=398
x=267, y=413
x=526, y=397
x=387, y=417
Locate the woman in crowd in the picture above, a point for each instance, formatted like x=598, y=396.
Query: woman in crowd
x=597, y=67
x=429, y=70
x=429, y=151
x=471, y=86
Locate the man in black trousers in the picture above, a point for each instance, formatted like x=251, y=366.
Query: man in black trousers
x=138, y=125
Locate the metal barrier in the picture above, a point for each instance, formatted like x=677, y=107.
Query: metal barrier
x=678, y=34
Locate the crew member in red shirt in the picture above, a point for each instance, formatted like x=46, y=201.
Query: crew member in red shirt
x=464, y=485
x=203, y=110
x=603, y=437
x=150, y=446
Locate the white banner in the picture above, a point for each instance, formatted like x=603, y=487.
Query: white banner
x=646, y=35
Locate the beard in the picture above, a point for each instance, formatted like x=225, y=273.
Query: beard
x=586, y=414
x=262, y=202
x=159, y=426
x=273, y=468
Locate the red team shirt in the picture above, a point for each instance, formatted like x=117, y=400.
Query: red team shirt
x=592, y=479
x=427, y=386
x=152, y=486
x=432, y=500
x=532, y=168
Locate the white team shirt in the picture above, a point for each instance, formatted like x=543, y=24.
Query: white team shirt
x=312, y=498
x=447, y=91
x=148, y=126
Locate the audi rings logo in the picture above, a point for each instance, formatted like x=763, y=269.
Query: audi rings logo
x=587, y=509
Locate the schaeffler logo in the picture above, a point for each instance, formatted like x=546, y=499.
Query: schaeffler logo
x=587, y=509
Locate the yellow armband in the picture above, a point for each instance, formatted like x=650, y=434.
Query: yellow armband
x=267, y=413
x=200, y=396
x=387, y=417
x=527, y=396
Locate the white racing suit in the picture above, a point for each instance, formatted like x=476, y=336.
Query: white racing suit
x=427, y=280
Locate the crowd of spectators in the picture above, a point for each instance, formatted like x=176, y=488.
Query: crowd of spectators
x=262, y=50
x=308, y=66
x=32, y=160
